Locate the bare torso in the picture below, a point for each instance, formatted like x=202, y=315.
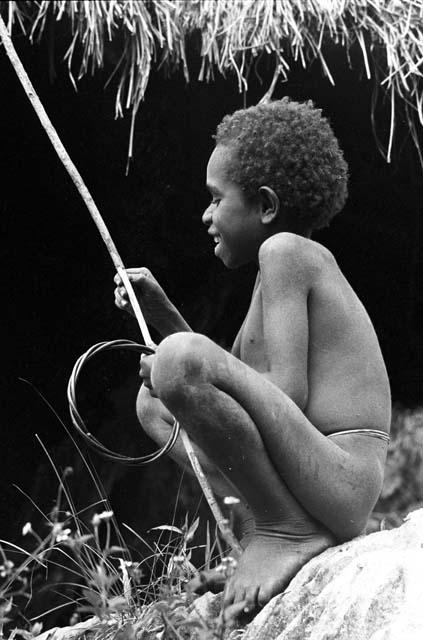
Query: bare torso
x=347, y=381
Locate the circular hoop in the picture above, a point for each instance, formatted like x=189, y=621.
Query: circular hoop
x=79, y=423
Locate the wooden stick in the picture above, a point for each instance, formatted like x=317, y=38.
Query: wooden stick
x=222, y=522
x=113, y=252
x=74, y=174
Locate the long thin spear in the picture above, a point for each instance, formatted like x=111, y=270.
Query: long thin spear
x=113, y=252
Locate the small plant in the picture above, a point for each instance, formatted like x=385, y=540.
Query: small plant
x=108, y=592
x=103, y=588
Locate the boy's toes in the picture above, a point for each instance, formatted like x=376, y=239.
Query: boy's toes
x=234, y=613
x=264, y=595
x=251, y=600
x=236, y=594
x=240, y=609
x=229, y=595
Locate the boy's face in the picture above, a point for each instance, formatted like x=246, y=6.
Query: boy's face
x=233, y=220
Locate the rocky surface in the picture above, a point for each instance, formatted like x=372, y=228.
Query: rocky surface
x=368, y=589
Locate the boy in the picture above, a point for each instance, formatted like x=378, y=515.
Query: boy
x=294, y=421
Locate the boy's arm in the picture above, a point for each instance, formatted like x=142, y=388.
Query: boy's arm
x=171, y=321
x=159, y=311
x=285, y=282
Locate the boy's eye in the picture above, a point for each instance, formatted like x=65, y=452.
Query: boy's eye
x=216, y=201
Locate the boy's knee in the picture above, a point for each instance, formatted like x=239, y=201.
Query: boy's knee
x=181, y=361
x=155, y=420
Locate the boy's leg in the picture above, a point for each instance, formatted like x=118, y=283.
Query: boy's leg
x=336, y=480
x=157, y=422
x=276, y=548
x=202, y=386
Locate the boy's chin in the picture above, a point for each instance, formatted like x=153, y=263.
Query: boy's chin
x=229, y=260
x=231, y=264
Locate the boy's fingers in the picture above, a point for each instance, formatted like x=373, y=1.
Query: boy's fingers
x=121, y=304
x=138, y=271
x=120, y=292
x=118, y=295
x=121, y=300
x=146, y=363
x=131, y=273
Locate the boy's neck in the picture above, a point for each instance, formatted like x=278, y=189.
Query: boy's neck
x=298, y=230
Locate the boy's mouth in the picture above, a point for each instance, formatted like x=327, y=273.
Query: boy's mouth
x=216, y=240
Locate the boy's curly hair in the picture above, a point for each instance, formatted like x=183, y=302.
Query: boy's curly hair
x=290, y=147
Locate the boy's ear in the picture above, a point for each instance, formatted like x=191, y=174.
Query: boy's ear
x=270, y=205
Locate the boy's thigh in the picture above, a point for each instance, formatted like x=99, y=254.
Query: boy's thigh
x=363, y=446
x=188, y=360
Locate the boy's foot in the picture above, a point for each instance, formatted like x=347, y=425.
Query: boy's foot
x=268, y=564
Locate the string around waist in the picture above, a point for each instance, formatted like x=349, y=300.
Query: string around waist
x=373, y=433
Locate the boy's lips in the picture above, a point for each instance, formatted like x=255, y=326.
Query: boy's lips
x=217, y=240
x=216, y=237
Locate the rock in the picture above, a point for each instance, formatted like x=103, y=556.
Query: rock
x=370, y=588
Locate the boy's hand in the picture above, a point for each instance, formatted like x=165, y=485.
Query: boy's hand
x=152, y=299
x=146, y=363
x=156, y=307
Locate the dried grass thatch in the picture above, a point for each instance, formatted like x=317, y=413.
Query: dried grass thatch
x=151, y=34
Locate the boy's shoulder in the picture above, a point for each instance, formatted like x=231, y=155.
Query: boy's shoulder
x=294, y=255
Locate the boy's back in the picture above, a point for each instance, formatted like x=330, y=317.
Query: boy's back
x=303, y=307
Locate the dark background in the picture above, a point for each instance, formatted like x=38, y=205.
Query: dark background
x=57, y=286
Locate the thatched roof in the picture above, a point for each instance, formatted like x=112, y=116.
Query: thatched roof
x=149, y=34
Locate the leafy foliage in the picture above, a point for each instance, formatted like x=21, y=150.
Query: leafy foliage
x=403, y=486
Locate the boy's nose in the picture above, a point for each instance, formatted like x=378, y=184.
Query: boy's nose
x=207, y=216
